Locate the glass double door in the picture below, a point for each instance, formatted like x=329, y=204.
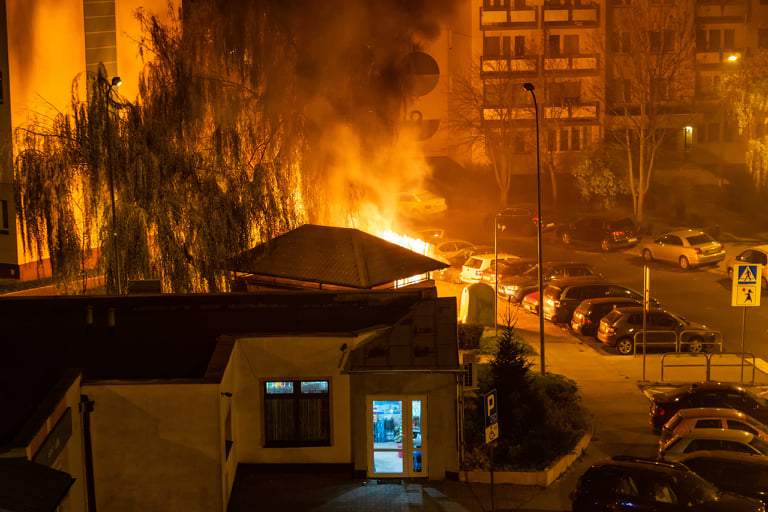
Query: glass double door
x=397, y=436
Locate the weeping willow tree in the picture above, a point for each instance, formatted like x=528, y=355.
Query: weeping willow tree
x=225, y=146
x=202, y=166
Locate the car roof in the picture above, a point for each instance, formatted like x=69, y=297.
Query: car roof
x=725, y=455
x=762, y=248
x=570, y=281
x=729, y=434
x=683, y=232
x=636, y=462
x=492, y=255
x=711, y=412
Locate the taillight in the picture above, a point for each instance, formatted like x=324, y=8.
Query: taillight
x=586, y=321
x=698, y=251
x=617, y=234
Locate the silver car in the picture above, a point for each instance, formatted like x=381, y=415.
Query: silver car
x=686, y=247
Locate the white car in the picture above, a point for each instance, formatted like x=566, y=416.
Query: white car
x=755, y=254
x=449, y=249
x=473, y=268
x=688, y=420
x=420, y=203
x=732, y=440
x=686, y=247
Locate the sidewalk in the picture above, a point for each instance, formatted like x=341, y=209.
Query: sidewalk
x=614, y=388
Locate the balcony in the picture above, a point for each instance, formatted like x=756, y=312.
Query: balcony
x=722, y=11
x=575, y=111
x=508, y=17
x=499, y=66
x=557, y=15
x=578, y=64
x=717, y=59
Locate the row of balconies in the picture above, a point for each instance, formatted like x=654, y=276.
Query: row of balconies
x=529, y=65
x=588, y=15
x=552, y=15
x=569, y=111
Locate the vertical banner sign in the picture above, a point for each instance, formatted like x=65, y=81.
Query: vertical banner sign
x=747, y=278
x=491, y=417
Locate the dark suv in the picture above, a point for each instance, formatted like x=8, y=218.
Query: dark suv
x=562, y=297
x=631, y=483
x=605, y=232
x=517, y=287
x=620, y=328
x=588, y=314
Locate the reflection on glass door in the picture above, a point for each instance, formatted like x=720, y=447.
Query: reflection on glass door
x=397, y=430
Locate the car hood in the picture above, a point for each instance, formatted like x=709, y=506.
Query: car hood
x=517, y=280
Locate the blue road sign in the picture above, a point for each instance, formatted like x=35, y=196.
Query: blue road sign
x=491, y=416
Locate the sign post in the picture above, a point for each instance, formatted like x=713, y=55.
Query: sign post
x=491, y=430
x=747, y=279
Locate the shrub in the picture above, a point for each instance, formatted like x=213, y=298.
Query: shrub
x=541, y=417
x=469, y=336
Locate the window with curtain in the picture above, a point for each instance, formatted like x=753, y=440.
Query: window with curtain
x=296, y=413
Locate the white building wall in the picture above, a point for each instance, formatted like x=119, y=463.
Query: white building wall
x=156, y=446
x=261, y=359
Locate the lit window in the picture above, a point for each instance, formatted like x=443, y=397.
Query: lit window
x=296, y=413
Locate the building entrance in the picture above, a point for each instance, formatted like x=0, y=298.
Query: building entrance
x=397, y=437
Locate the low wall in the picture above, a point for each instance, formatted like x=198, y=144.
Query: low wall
x=541, y=478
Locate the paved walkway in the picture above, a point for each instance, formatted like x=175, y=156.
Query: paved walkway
x=614, y=388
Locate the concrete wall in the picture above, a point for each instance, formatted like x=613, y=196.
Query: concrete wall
x=261, y=359
x=441, y=441
x=157, y=446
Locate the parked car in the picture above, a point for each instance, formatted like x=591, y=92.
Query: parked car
x=687, y=248
x=522, y=221
x=517, y=287
x=688, y=420
x=449, y=249
x=586, y=317
x=665, y=404
x=531, y=302
x=605, y=232
x=756, y=254
x=740, y=473
x=473, y=268
x=620, y=328
x=562, y=297
x=419, y=203
x=428, y=234
x=624, y=483
x=713, y=439
x=507, y=269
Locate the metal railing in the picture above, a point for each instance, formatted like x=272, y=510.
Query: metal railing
x=708, y=362
x=680, y=340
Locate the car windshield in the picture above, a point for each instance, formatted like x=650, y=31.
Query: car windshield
x=474, y=263
x=699, y=239
x=696, y=489
x=512, y=267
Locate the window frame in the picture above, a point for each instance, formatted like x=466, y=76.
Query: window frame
x=300, y=419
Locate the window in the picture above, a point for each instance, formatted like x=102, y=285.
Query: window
x=506, y=46
x=551, y=140
x=554, y=45
x=564, y=139
x=713, y=132
x=492, y=46
x=519, y=46
x=708, y=423
x=714, y=39
x=571, y=44
x=519, y=141
x=701, y=40
x=296, y=413
x=575, y=139
x=729, y=39
x=762, y=38
x=655, y=41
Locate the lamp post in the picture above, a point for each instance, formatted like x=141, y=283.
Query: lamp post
x=115, y=248
x=529, y=87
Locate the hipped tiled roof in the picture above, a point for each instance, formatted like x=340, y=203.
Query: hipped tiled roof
x=333, y=255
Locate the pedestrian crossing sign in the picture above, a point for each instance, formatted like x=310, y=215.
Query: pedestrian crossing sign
x=747, y=278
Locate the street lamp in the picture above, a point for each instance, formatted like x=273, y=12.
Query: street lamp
x=529, y=87
x=115, y=83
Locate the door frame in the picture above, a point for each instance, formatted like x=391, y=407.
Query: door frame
x=407, y=444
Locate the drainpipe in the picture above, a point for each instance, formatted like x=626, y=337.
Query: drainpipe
x=86, y=408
